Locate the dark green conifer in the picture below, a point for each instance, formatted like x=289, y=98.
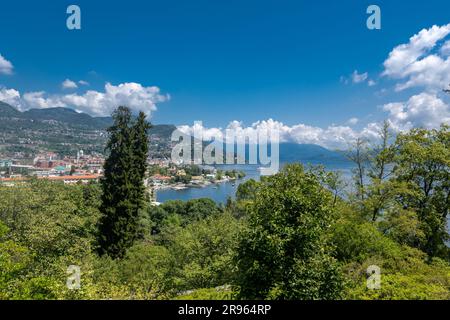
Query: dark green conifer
x=123, y=183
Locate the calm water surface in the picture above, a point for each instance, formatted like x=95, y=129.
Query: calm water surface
x=221, y=191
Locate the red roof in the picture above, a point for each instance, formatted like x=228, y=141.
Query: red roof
x=160, y=177
x=57, y=178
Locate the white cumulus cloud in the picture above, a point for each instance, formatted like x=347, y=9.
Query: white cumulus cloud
x=417, y=64
x=69, y=84
x=97, y=103
x=423, y=62
x=332, y=137
x=10, y=96
x=353, y=121
x=445, y=49
x=6, y=67
x=356, y=78
x=422, y=110
x=359, y=77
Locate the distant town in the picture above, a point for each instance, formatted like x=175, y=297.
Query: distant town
x=49, y=165
x=61, y=145
x=87, y=168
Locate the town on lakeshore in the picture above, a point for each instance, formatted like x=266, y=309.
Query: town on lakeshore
x=87, y=168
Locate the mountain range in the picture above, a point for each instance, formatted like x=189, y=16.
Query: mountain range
x=64, y=115
x=65, y=129
x=70, y=117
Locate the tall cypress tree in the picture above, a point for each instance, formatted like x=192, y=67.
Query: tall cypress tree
x=122, y=185
x=140, y=153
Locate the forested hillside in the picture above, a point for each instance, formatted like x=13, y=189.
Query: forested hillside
x=294, y=235
x=63, y=131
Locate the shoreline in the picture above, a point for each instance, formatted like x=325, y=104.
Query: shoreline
x=184, y=186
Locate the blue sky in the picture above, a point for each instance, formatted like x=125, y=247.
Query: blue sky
x=219, y=60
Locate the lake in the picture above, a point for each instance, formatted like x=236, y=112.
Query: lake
x=218, y=192
x=221, y=191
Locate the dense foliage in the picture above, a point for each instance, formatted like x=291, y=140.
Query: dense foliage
x=296, y=235
x=283, y=254
x=123, y=183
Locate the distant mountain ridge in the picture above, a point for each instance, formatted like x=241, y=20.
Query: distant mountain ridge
x=290, y=152
x=9, y=111
x=64, y=115
x=73, y=118
x=62, y=126
x=313, y=154
x=64, y=131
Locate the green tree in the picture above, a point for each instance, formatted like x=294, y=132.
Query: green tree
x=422, y=161
x=49, y=227
x=332, y=180
x=380, y=191
x=247, y=190
x=219, y=175
x=204, y=251
x=284, y=254
x=140, y=155
x=147, y=270
x=122, y=185
x=359, y=155
x=245, y=195
x=185, y=212
x=140, y=131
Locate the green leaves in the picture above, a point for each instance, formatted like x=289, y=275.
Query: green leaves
x=204, y=251
x=283, y=254
x=123, y=197
x=50, y=226
x=423, y=162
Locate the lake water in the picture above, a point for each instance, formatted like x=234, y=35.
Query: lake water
x=218, y=192
x=221, y=191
